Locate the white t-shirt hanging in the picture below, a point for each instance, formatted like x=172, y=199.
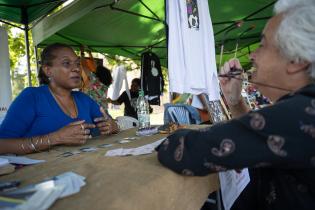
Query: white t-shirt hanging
x=119, y=76
x=191, y=51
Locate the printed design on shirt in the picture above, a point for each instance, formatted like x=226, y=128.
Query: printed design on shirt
x=311, y=109
x=97, y=91
x=165, y=144
x=213, y=167
x=308, y=129
x=275, y=144
x=313, y=161
x=192, y=14
x=257, y=121
x=179, y=151
x=272, y=196
x=227, y=147
x=154, y=70
x=187, y=172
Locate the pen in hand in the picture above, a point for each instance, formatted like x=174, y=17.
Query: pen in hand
x=234, y=72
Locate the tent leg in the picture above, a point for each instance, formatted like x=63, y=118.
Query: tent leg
x=36, y=58
x=28, y=56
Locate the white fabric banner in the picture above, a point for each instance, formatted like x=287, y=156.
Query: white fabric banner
x=191, y=50
x=5, y=81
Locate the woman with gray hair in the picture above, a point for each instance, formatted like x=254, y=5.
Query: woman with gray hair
x=277, y=142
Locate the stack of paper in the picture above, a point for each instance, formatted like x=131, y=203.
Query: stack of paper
x=44, y=194
x=5, y=167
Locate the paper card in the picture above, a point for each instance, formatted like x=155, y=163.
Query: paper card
x=104, y=145
x=21, y=160
x=68, y=153
x=88, y=149
x=123, y=141
x=131, y=138
x=232, y=184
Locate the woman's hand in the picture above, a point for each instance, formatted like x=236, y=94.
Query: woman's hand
x=231, y=87
x=105, y=124
x=75, y=133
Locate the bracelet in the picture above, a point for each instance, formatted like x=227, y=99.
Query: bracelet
x=32, y=145
x=48, y=141
x=23, y=148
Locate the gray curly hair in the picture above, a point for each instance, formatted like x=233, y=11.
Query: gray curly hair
x=295, y=36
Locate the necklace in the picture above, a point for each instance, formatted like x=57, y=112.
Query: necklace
x=63, y=107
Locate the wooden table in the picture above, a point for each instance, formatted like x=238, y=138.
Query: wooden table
x=119, y=183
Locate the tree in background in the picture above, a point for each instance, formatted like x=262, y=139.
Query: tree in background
x=18, y=68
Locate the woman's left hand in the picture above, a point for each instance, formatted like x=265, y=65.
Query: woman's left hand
x=105, y=124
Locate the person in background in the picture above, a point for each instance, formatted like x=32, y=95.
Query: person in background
x=96, y=83
x=52, y=114
x=276, y=142
x=130, y=103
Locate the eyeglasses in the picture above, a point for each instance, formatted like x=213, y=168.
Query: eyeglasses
x=71, y=64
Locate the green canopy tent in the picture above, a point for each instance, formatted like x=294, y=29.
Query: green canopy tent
x=26, y=12
x=130, y=27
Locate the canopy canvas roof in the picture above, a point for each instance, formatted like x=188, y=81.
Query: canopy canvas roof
x=26, y=11
x=130, y=27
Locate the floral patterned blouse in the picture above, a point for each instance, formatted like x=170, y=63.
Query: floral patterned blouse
x=97, y=90
x=279, y=140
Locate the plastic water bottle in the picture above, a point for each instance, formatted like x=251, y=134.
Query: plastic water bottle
x=143, y=111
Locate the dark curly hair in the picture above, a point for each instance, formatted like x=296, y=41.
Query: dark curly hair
x=46, y=59
x=137, y=81
x=104, y=75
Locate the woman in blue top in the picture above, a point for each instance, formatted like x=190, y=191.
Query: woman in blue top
x=53, y=114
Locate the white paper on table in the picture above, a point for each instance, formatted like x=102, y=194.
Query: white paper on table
x=21, y=160
x=3, y=162
x=114, y=152
x=143, y=150
x=232, y=184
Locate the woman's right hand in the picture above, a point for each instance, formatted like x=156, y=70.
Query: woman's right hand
x=75, y=133
x=231, y=87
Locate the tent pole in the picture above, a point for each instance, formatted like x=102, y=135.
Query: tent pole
x=166, y=40
x=148, y=8
x=24, y=17
x=133, y=13
x=10, y=24
x=36, y=57
x=27, y=43
x=247, y=17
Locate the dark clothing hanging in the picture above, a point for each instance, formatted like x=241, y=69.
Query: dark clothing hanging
x=152, y=81
x=130, y=105
x=277, y=143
